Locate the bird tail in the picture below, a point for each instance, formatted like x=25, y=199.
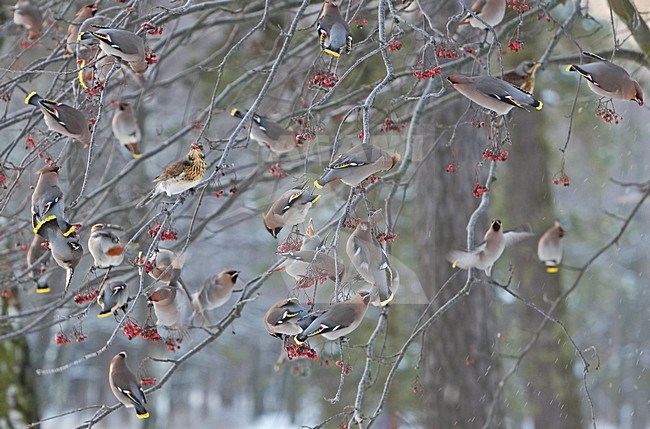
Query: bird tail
x=33, y=98
x=237, y=113
x=140, y=411
x=594, y=56
x=104, y=314
x=552, y=269
x=69, y=272
x=332, y=52
x=396, y=157
x=328, y=175
x=537, y=104
x=41, y=285
x=146, y=200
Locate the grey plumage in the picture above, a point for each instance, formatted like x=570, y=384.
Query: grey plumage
x=123, y=44
x=66, y=250
x=492, y=93
x=105, y=246
x=339, y=319
x=490, y=11
x=267, y=133
x=126, y=129
x=609, y=80
x=357, y=164
x=549, y=247
x=29, y=16
x=112, y=296
x=489, y=251
x=309, y=265
x=371, y=261
x=215, y=292
x=62, y=118
x=37, y=263
x=48, y=201
x=165, y=305
x=333, y=33
x=126, y=387
x=288, y=209
x=86, y=12
x=286, y=317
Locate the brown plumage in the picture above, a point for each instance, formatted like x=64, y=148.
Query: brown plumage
x=523, y=76
x=549, y=248
x=87, y=11
x=357, y=164
x=286, y=317
x=126, y=387
x=179, y=177
x=288, y=209
x=29, y=16
x=215, y=292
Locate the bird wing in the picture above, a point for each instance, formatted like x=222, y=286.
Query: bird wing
x=357, y=156
x=513, y=237
x=174, y=170
x=464, y=259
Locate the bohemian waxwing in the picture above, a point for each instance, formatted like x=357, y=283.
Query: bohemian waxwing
x=288, y=209
x=270, y=134
x=170, y=305
x=490, y=11
x=126, y=129
x=371, y=261
x=112, y=296
x=492, y=93
x=549, y=248
x=122, y=44
x=179, y=177
x=286, y=317
x=66, y=251
x=126, y=387
x=29, y=16
x=62, y=118
x=36, y=265
x=48, y=202
x=105, y=246
x=86, y=12
x=523, y=76
x=165, y=266
x=489, y=251
x=338, y=320
x=215, y=292
x=357, y=164
x=333, y=32
x=310, y=265
x=609, y=80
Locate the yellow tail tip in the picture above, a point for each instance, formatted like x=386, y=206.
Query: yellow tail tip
x=143, y=416
x=540, y=105
x=454, y=265
x=29, y=97
x=569, y=68
x=552, y=269
x=137, y=155
x=102, y=315
x=43, y=290
x=234, y=112
x=316, y=199
x=387, y=301
x=332, y=53
x=317, y=185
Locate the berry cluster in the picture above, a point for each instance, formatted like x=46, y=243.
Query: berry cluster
x=131, y=330
x=173, y=344
x=450, y=168
x=151, y=58
x=477, y=124
x=60, y=338
x=314, y=277
x=347, y=368
x=395, y=46
x=324, y=80
x=166, y=235
x=302, y=350
x=3, y=180
x=305, y=136
x=374, y=179
x=289, y=246
x=426, y=73
x=277, y=171
x=150, y=334
x=351, y=223
x=562, y=178
x=608, y=115
x=544, y=16
x=520, y=6
x=24, y=44
x=478, y=190
x=495, y=153
x=79, y=336
x=82, y=298
x=391, y=126
x=444, y=52
x=360, y=22
x=30, y=143
x=387, y=237
x=6, y=293
x=148, y=381
x=516, y=45
x=151, y=29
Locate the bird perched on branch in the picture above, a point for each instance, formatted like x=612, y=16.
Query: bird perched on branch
x=165, y=266
x=549, y=247
x=608, y=80
x=86, y=12
x=112, y=296
x=215, y=292
x=489, y=11
x=165, y=305
x=333, y=32
x=308, y=266
x=357, y=164
x=66, y=250
x=338, y=320
x=179, y=177
x=62, y=118
x=371, y=261
x=286, y=317
x=37, y=263
x=126, y=387
x=270, y=134
x=48, y=202
x=122, y=44
x=126, y=129
x=29, y=16
x=492, y=93
x=523, y=76
x=105, y=246
x=288, y=209
x=489, y=251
